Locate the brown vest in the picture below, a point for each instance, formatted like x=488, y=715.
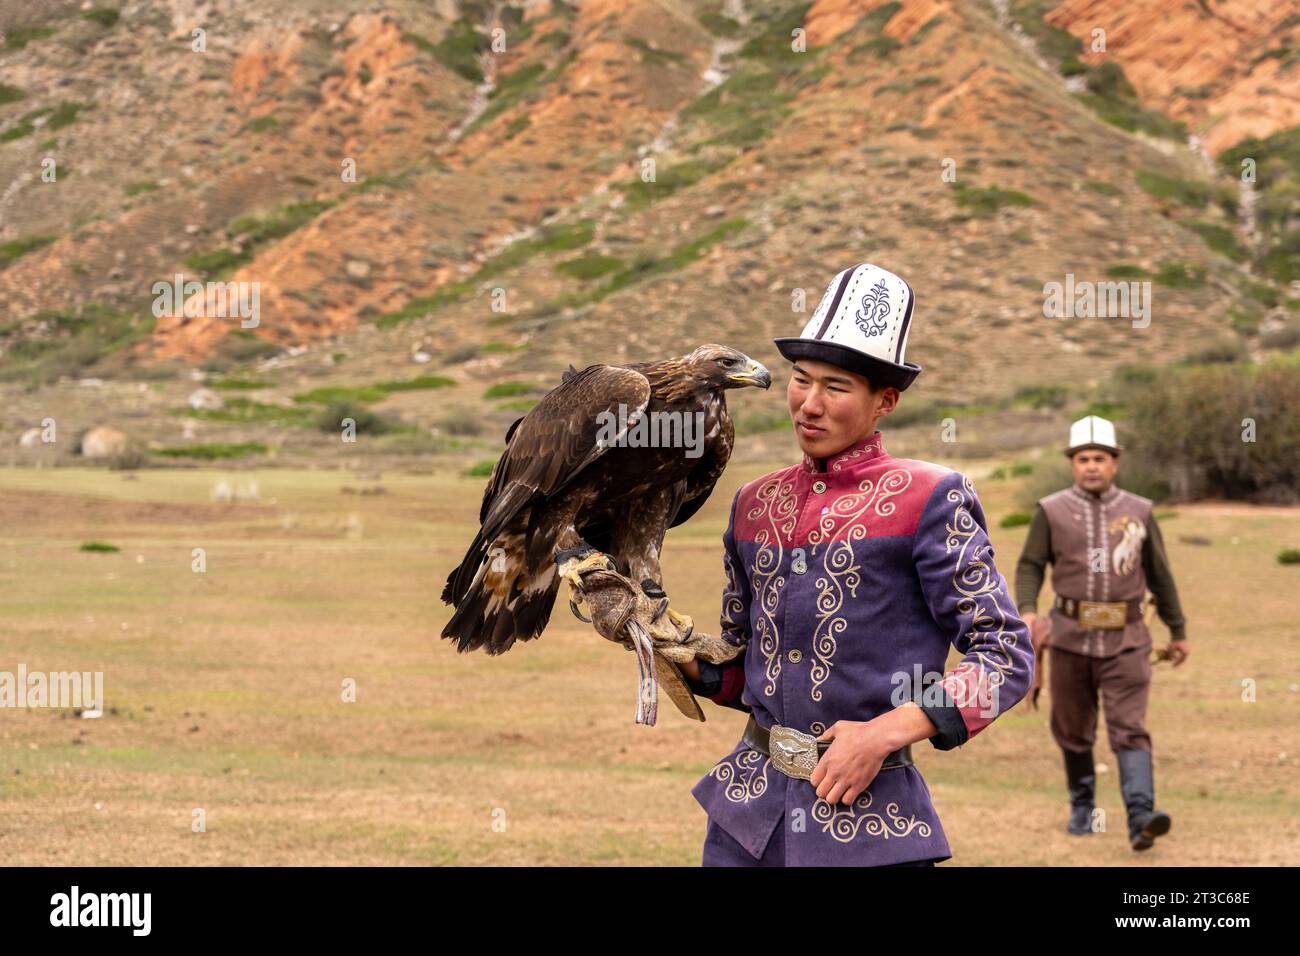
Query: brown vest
x=1097, y=544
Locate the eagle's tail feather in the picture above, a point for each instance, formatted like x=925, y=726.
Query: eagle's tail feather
x=487, y=618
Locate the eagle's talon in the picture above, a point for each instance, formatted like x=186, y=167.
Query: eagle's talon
x=682, y=621
x=573, y=606
x=659, y=611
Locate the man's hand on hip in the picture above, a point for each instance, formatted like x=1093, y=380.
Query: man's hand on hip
x=859, y=748
x=852, y=762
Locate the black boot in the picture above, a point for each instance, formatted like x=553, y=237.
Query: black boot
x=1137, y=783
x=1081, y=778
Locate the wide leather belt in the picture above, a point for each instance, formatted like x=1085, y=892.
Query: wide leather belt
x=795, y=753
x=1100, y=615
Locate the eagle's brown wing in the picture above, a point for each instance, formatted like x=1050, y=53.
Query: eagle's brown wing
x=547, y=449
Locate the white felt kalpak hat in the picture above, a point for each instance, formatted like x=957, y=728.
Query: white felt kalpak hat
x=861, y=325
x=1092, y=432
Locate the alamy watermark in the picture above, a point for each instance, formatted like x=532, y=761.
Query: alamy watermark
x=219, y=300
x=651, y=430
x=929, y=688
x=1107, y=300
x=63, y=689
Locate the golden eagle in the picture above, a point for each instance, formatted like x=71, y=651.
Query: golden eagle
x=589, y=468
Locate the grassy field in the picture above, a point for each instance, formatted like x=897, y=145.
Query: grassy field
x=224, y=692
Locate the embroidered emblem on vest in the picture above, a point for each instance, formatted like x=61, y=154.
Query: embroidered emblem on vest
x=1129, y=549
x=871, y=314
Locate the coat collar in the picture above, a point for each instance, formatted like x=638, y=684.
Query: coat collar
x=860, y=451
x=1106, y=497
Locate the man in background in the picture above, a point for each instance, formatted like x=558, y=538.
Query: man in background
x=1106, y=550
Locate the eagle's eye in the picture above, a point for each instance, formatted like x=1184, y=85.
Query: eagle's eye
x=726, y=362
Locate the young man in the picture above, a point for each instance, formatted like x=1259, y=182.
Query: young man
x=849, y=575
x=1105, y=550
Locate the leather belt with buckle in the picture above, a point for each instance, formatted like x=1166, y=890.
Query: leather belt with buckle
x=795, y=753
x=1100, y=615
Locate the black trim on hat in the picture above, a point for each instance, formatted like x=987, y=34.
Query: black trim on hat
x=835, y=303
x=907, y=318
x=879, y=371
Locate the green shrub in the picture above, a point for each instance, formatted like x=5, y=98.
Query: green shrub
x=331, y=419
x=17, y=38
x=9, y=251
x=1183, y=191
x=1016, y=519
x=10, y=94
x=986, y=201
x=459, y=50
x=100, y=547
x=772, y=44
x=590, y=266
x=73, y=340
x=238, y=383
x=104, y=16
x=1103, y=188
x=1176, y=275
x=1124, y=270
x=245, y=411
x=1042, y=396
x=1289, y=556
x=481, y=469
x=218, y=262
x=715, y=23
x=509, y=389
x=1219, y=238
x=1185, y=430
x=213, y=452
x=65, y=114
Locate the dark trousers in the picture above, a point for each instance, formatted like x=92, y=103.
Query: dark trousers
x=1123, y=682
x=721, y=849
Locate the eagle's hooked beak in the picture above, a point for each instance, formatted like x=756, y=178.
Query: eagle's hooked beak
x=755, y=374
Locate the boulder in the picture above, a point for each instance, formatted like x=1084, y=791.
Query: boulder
x=102, y=442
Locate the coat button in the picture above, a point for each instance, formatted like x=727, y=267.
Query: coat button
x=819, y=486
x=795, y=657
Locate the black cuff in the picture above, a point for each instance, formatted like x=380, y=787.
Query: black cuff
x=710, y=682
x=947, y=718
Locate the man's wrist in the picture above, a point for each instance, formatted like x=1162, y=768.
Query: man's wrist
x=906, y=724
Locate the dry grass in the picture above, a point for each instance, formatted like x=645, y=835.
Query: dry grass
x=224, y=693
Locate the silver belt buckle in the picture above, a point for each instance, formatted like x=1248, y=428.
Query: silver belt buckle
x=793, y=752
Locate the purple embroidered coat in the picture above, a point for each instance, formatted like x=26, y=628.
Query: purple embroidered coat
x=845, y=587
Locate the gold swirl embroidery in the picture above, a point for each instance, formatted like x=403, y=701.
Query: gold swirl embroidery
x=981, y=595
x=776, y=504
x=844, y=823
x=843, y=524
x=745, y=781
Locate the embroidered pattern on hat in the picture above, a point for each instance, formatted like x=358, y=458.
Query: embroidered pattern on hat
x=875, y=307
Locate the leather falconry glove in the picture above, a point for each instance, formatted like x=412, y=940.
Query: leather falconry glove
x=621, y=612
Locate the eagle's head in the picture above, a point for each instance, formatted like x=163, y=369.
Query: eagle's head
x=720, y=366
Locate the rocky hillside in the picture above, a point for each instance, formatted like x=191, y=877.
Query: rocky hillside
x=443, y=205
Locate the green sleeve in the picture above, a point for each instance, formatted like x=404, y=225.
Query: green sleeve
x=1032, y=567
x=1160, y=581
